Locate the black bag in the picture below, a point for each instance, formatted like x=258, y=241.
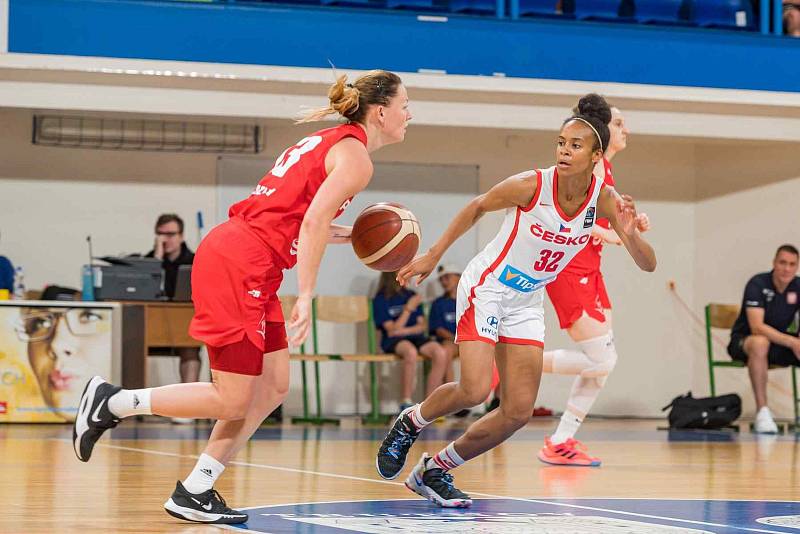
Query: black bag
x=710, y=413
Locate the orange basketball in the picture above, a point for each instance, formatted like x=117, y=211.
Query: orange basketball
x=386, y=236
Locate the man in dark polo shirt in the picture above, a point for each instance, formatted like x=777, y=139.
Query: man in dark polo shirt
x=171, y=249
x=759, y=337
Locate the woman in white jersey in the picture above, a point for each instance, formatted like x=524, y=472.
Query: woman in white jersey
x=549, y=218
x=581, y=302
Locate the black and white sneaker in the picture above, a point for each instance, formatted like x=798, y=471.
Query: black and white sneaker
x=93, y=417
x=392, y=454
x=436, y=485
x=206, y=507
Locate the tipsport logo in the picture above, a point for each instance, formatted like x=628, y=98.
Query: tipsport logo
x=516, y=279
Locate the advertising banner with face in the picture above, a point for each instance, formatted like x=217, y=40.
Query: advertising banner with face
x=47, y=354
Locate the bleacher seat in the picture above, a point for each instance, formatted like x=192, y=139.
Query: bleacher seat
x=419, y=5
x=474, y=7
x=729, y=14
x=353, y=3
x=540, y=8
x=601, y=10
x=661, y=12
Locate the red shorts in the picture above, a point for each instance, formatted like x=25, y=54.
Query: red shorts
x=234, y=289
x=573, y=294
x=244, y=358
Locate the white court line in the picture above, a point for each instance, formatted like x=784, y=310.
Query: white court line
x=487, y=495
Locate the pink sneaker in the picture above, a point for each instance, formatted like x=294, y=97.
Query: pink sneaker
x=571, y=452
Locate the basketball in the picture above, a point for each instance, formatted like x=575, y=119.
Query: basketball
x=386, y=236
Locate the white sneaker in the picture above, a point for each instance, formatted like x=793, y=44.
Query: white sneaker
x=764, y=424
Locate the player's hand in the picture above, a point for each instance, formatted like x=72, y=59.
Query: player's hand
x=158, y=247
x=414, y=302
x=605, y=235
x=643, y=222
x=626, y=214
x=421, y=267
x=299, y=320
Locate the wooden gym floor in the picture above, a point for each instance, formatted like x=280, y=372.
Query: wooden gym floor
x=651, y=481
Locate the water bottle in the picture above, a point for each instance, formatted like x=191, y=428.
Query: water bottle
x=87, y=283
x=19, y=283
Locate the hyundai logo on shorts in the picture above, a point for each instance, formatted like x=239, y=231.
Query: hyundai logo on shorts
x=492, y=321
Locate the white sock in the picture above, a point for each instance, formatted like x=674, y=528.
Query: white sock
x=417, y=419
x=447, y=458
x=205, y=473
x=128, y=402
x=567, y=428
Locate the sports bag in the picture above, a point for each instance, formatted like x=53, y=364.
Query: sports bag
x=708, y=413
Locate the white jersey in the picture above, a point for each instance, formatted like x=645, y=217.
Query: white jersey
x=536, y=242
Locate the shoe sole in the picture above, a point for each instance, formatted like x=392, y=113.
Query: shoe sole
x=377, y=466
x=81, y=425
x=195, y=516
x=423, y=491
x=593, y=464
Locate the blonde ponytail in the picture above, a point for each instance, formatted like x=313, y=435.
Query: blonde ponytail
x=351, y=100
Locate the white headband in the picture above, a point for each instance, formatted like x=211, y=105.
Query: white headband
x=593, y=129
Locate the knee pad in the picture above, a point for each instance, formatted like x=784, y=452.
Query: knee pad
x=602, y=353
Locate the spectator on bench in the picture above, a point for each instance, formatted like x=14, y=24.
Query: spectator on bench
x=759, y=336
x=401, y=322
x=173, y=252
x=442, y=318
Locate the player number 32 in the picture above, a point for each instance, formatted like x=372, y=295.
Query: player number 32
x=548, y=261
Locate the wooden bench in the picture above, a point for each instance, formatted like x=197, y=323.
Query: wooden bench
x=341, y=310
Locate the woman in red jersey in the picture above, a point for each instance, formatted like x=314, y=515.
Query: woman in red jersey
x=584, y=310
x=236, y=275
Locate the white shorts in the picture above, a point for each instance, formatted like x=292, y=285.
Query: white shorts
x=492, y=312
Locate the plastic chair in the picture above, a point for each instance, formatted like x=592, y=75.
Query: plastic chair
x=728, y=14
x=660, y=12
x=723, y=316
x=421, y=5
x=600, y=10
x=539, y=8
x=353, y=3
x=474, y=7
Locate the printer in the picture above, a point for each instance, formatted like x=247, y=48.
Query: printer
x=128, y=278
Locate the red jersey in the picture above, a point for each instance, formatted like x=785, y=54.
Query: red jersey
x=275, y=209
x=587, y=261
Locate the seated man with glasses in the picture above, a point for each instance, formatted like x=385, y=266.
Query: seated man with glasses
x=173, y=252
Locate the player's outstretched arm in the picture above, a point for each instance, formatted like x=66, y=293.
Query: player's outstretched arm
x=517, y=190
x=339, y=234
x=351, y=172
x=621, y=212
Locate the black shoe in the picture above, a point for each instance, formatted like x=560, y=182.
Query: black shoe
x=436, y=485
x=206, y=507
x=93, y=417
x=392, y=454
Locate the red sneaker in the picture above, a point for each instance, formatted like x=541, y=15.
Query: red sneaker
x=571, y=452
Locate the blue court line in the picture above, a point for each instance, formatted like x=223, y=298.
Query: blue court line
x=481, y=494
x=546, y=502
